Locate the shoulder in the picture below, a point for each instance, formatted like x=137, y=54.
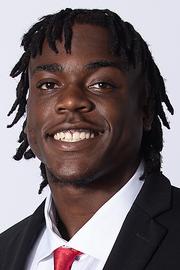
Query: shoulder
x=176, y=192
x=15, y=230
x=175, y=199
x=171, y=217
x=15, y=234
x=17, y=241
x=10, y=240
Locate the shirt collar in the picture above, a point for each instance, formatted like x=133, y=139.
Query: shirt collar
x=103, y=227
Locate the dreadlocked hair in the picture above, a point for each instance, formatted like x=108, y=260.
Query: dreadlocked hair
x=124, y=42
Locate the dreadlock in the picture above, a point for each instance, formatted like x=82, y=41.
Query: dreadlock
x=125, y=42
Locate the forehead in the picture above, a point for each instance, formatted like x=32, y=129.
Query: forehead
x=91, y=36
x=90, y=43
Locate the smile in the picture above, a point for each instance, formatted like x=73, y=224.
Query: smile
x=75, y=135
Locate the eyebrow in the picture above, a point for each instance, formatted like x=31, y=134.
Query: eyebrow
x=48, y=67
x=90, y=66
x=102, y=63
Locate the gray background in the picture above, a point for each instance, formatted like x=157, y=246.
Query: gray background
x=156, y=20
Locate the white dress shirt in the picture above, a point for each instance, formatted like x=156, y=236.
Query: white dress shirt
x=95, y=239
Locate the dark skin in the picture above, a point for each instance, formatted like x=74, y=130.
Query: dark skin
x=71, y=92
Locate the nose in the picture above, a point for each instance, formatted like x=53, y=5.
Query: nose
x=73, y=99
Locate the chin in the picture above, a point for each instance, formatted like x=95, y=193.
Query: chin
x=68, y=178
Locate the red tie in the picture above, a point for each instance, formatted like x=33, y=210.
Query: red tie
x=64, y=258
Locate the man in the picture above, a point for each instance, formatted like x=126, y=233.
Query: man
x=93, y=96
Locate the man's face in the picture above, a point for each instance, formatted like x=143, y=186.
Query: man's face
x=84, y=117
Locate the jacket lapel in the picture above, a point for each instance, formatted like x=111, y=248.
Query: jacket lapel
x=141, y=235
x=28, y=238
x=138, y=240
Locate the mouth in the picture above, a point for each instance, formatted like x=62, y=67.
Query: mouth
x=76, y=135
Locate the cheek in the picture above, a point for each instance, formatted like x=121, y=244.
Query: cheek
x=132, y=130
x=38, y=111
x=114, y=113
x=34, y=126
x=32, y=137
x=125, y=120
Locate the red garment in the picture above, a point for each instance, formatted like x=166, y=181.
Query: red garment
x=64, y=258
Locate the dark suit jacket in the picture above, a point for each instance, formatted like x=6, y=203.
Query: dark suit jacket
x=149, y=238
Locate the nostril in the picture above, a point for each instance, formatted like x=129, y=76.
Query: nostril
x=74, y=104
x=84, y=108
x=61, y=110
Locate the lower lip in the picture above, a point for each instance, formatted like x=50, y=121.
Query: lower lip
x=74, y=146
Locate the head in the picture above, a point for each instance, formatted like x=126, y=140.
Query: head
x=126, y=123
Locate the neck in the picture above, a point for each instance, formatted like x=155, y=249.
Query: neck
x=76, y=205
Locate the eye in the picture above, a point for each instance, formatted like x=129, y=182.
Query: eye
x=47, y=85
x=102, y=85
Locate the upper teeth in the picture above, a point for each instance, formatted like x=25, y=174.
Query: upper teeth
x=73, y=136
